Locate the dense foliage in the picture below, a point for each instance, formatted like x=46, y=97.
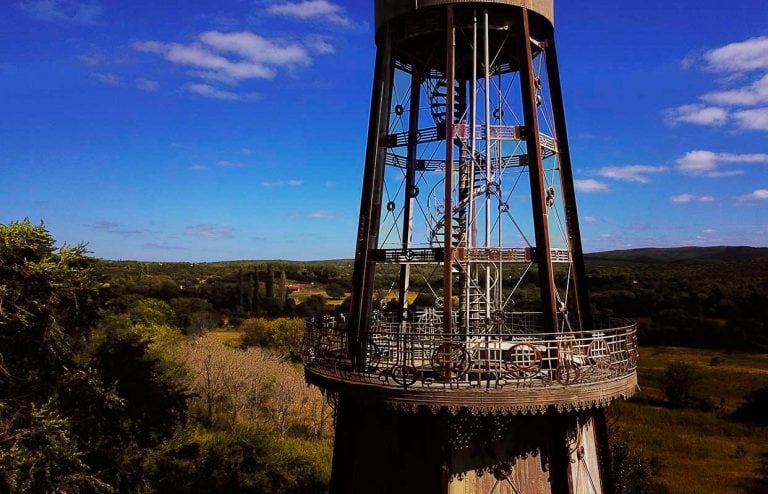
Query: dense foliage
x=80, y=403
x=695, y=297
x=101, y=392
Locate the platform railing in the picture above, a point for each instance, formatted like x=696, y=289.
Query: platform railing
x=411, y=355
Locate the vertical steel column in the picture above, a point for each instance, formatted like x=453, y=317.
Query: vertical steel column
x=566, y=181
x=471, y=203
x=536, y=173
x=488, y=168
x=600, y=422
x=410, y=186
x=450, y=110
x=370, y=201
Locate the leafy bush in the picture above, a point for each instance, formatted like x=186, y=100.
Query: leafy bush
x=282, y=335
x=678, y=383
x=632, y=472
x=80, y=403
x=334, y=290
x=252, y=460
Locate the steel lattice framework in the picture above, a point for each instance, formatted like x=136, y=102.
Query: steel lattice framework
x=469, y=288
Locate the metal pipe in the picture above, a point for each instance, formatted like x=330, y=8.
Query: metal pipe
x=472, y=226
x=488, y=171
x=450, y=109
x=410, y=184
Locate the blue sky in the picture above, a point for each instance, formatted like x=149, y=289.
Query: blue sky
x=236, y=129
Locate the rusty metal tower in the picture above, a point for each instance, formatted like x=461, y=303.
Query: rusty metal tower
x=470, y=361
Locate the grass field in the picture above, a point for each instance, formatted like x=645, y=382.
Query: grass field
x=699, y=451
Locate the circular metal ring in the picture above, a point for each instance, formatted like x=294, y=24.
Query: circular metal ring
x=439, y=302
x=399, y=110
x=391, y=206
x=523, y=360
x=498, y=113
x=599, y=353
x=450, y=360
x=414, y=191
x=567, y=373
x=405, y=375
x=494, y=188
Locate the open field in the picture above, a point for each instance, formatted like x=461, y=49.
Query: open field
x=699, y=451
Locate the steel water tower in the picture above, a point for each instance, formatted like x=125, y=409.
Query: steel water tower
x=470, y=361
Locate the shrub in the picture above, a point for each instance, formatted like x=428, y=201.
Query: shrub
x=632, y=472
x=253, y=460
x=678, y=383
x=334, y=290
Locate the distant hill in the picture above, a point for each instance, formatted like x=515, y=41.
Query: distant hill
x=682, y=255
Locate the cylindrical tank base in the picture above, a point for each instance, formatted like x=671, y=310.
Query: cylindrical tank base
x=379, y=450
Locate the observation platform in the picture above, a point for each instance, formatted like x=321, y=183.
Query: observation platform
x=507, y=370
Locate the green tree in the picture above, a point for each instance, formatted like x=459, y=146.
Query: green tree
x=678, y=382
x=78, y=406
x=47, y=304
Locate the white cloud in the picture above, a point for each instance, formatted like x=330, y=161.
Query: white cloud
x=707, y=163
x=163, y=246
x=212, y=92
x=697, y=114
x=282, y=183
x=756, y=119
x=231, y=57
x=117, y=228
x=81, y=13
x=743, y=56
x=320, y=44
x=147, y=85
x=590, y=185
x=92, y=60
x=318, y=214
x=210, y=231
x=686, y=198
x=198, y=168
x=107, y=78
x=744, y=60
x=758, y=195
x=631, y=173
x=591, y=219
x=231, y=164
x=256, y=48
x=753, y=94
x=312, y=10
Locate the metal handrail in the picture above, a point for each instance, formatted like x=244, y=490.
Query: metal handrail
x=413, y=355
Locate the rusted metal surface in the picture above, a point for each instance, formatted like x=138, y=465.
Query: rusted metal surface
x=536, y=175
x=567, y=185
x=515, y=370
x=370, y=200
x=387, y=10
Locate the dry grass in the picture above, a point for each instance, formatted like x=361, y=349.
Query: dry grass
x=228, y=338
x=700, y=452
